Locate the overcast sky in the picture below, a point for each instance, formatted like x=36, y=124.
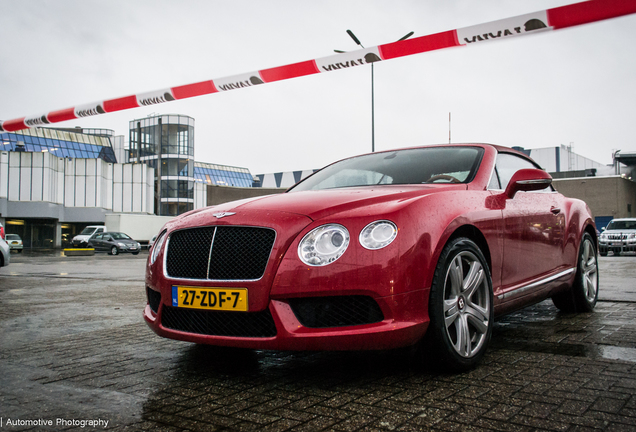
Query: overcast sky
x=573, y=86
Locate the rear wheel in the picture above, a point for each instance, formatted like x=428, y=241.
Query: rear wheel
x=460, y=307
x=583, y=294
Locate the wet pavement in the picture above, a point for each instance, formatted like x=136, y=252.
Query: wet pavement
x=75, y=354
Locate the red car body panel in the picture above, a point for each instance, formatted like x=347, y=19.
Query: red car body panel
x=525, y=239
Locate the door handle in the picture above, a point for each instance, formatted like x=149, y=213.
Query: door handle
x=555, y=210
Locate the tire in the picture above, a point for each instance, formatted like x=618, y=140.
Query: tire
x=460, y=308
x=583, y=294
x=114, y=250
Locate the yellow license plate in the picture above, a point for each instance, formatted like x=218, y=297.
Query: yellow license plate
x=227, y=299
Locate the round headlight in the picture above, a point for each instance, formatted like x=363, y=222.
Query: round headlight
x=323, y=245
x=378, y=234
x=156, y=247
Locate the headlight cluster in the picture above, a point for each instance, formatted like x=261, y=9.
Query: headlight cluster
x=327, y=243
x=378, y=234
x=323, y=245
x=156, y=247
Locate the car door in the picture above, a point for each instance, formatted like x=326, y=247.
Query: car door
x=533, y=236
x=95, y=241
x=107, y=241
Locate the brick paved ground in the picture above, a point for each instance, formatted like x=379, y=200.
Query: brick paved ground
x=73, y=348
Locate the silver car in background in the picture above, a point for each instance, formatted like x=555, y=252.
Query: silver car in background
x=619, y=236
x=5, y=253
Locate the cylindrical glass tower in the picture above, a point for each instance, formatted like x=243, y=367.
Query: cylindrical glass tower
x=166, y=143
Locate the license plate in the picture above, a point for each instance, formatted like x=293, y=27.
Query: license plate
x=228, y=299
x=616, y=244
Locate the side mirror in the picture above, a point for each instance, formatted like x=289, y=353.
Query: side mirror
x=528, y=179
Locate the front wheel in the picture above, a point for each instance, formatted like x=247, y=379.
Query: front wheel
x=114, y=250
x=460, y=307
x=583, y=294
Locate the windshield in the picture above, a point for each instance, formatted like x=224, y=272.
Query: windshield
x=622, y=225
x=88, y=231
x=13, y=237
x=119, y=236
x=432, y=165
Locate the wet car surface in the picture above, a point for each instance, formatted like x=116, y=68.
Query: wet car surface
x=423, y=245
x=74, y=346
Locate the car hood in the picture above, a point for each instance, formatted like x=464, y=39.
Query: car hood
x=127, y=241
x=619, y=231
x=324, y=203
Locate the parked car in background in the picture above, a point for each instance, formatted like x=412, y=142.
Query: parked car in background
x=618, y=236
x=15, y=242
x=390, y=249
x=114, y=243
x=5, y=253
x=81, y=240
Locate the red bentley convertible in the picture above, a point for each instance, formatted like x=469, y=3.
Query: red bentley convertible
x=390, y=249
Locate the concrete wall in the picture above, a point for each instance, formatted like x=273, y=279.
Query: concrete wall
x=606, y=196
x=223, y=194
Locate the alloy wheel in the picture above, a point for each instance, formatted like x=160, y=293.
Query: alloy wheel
x=589, y=269
x=466, y=304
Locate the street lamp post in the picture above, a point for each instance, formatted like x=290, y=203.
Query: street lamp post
x=357, y=41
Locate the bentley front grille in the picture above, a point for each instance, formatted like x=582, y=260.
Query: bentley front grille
x=219, y=253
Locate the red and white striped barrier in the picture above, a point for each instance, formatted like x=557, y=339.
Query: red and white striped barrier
x=550, y=19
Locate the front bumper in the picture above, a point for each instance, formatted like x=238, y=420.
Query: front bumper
x=617, y=246
x=402, y=324
x=131, y=249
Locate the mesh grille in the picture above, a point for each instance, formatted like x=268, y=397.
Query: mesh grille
x=219, y=323
x=237, y=253
x=320, y=312
x=240, y=253
x=154, y=299
x=189, y=253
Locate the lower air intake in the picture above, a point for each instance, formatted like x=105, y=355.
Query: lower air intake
x=219, y=323
x=337, y=311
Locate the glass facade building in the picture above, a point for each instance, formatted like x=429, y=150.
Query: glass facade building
x=166, y=143
x=222, y=175
x=67, y=143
